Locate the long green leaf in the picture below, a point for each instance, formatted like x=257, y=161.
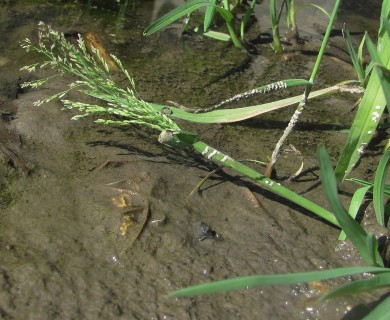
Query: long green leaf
x=368, y=68
x=354, y=206
x=381, y=311
x=240, y=114
x=209, y=16
x=181, y=11
x=246, y=17
x=366, y=183
x=316, y=7
x=384, y=73
x=379, y=187
x=352, y=229
x=377, y=281
x=270, y=280
x=373, y=249
x=369, y=112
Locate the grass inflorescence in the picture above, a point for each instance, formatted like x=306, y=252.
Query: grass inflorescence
x=94, y=80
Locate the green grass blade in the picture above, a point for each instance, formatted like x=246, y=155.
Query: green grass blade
x=373, y=249
x=209, y=16
x=379, y=187
x=368, y=68
x=240, y=114
x=356, y=62
x=275, y=27
x=246, y=17
x=352, y=229
x=316, y=7
x=373, y=52
x=385, y=14
x=181, y=11
x=357, y=286
x=369, y=112
x=355, y=205
x=360, y=48
x=384, y=73
x=270, y=280
x=381, y=311
x=364, y=125
x=366, y=183
x=213, y=34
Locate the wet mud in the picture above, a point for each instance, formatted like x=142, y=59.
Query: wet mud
x=97, y=222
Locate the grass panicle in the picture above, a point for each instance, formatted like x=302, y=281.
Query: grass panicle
x=94, y=80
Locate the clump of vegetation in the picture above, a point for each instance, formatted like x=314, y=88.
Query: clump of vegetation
x=227, y=11
x=94, y=80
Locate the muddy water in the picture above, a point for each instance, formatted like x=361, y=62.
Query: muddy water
x=73, y=240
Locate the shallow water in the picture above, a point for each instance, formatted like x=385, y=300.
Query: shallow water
x=67, y=226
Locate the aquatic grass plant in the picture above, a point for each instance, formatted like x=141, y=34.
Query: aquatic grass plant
x=225, y=9
x=275, y=16
x=373, y=276
x=94, y=80
x=275, y=19
x=373, y=102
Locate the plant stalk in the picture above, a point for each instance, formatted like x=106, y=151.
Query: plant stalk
x=232, y=32
x=294, y=119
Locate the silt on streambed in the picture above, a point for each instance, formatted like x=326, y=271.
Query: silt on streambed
x=67, y=226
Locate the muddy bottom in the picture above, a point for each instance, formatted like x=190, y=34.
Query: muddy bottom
x=98, y=222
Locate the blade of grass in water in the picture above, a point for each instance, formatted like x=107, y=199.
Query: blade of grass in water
x=270, y=280
x=381, y=311
x=240, y=114
x=379, y=187
x=352, y=229
x=377, y=281
x=246, y=17
x=275, y=18
x=356, y=61
x=209, y=16
x=354, y=206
